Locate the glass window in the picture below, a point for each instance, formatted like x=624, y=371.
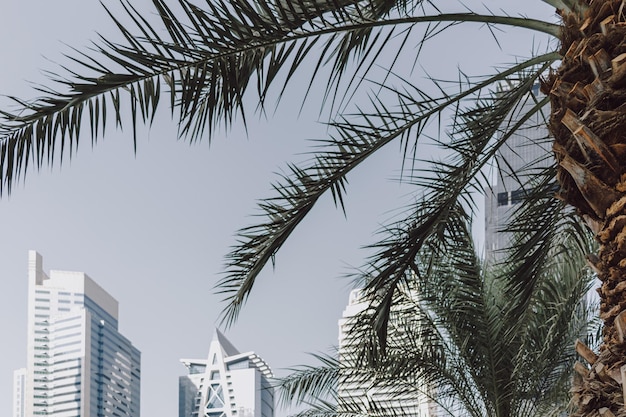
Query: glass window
x=503, y=199
x=197, y=369
x=517, y=196
x=216, y=398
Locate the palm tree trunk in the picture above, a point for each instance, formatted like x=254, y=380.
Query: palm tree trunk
x=588, y=121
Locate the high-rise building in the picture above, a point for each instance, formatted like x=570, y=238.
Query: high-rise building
x=226, y=384
x=78, y=364
x=524, y=152
x=19, y=384
x=358, y=391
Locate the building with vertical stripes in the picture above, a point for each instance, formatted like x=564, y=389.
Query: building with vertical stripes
x=359, y=392
x=78, y=363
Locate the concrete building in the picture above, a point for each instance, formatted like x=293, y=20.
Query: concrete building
x=226, y=384
x=517, y=161
x=78, y=364
x=358, y=393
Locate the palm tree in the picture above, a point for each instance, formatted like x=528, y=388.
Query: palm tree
x=211, y=59
x=461, y=341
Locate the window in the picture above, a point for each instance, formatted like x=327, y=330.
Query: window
x=240, y=364
x=503, y=199
x=197, y=369
x=518, y=195
x=216, y=398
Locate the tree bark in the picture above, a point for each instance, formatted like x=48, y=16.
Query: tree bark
x=588, y=122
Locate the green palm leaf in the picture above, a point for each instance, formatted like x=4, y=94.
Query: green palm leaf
x=464, y=341
x=207, y=62
x=212, y=59
x=352, y=144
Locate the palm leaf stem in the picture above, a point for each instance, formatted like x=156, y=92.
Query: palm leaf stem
x=110, y=81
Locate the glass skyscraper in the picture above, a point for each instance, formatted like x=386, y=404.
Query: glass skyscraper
x=524, y=152
x=78, y=364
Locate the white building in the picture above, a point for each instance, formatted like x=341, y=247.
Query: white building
x=78, y=364
x=226, y=384
x=359, y=393
x=19, y=385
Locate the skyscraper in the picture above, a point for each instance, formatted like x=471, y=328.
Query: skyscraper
x=517, y=160
x=226, y=384
x=78, y=364
x=19, y=384
x=359, y=392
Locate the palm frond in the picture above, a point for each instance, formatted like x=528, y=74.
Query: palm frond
x=454, y=340
x=351, y=144
x=210, y=57
x=206, y=62
x=447, y=184
x=308, y=384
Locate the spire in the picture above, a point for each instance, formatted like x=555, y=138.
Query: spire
x=227, y=347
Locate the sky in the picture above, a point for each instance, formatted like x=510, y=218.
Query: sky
x=152, y=227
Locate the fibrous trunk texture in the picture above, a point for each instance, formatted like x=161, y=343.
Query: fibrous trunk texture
x=588, y=121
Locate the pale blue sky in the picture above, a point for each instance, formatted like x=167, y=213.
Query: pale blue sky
x=152, y=228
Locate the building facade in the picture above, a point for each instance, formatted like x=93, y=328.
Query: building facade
x=19, y=385
x=528, y=150
x=78, y=364
x=226, y=384
x=358, y=392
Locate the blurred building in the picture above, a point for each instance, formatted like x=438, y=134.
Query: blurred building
x=524, y=153
x=19, y=385
x=78, y=364
x=226, y=384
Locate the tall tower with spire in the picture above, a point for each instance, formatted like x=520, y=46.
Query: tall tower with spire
x=226, y=384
